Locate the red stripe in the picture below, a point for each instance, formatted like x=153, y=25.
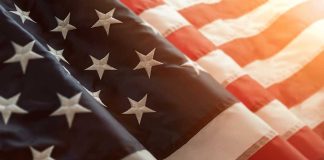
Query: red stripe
x=138, y=6
x=301, y=85
x=198, y=47
x=202, y=14
x=191, y=42
x=246, y=89
x=250, y=92
x=308, y=143
x=277, y=149
x=320, y=130
x=277, y=36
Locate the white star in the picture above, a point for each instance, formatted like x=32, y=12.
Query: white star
x=138, y=108
x=194, y=65
x=9, y=106
x=69, y=107
x=23, y=54
x=100, y=65
x=105, y=20
x=95, y=95
x=22, y=14
x=147, y=62
x=57, y=53
x=42, y=155
x=63, y=26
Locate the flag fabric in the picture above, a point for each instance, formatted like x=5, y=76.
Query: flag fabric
x=268, y=36
x=90, y=80
x=45, y=113
x=220, y=35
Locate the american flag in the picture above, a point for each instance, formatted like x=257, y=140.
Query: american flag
x=266, y=53
x=91, y=80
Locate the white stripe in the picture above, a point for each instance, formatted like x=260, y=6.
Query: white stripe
x=181, y=4
x=311, y=111
x=301, y=51
x=144, y=23
x=250, y=24
x=140, y=155
x=222, y=67
x=164, y=18
x=225, y=70
x=280, y=118
x=226, y=137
